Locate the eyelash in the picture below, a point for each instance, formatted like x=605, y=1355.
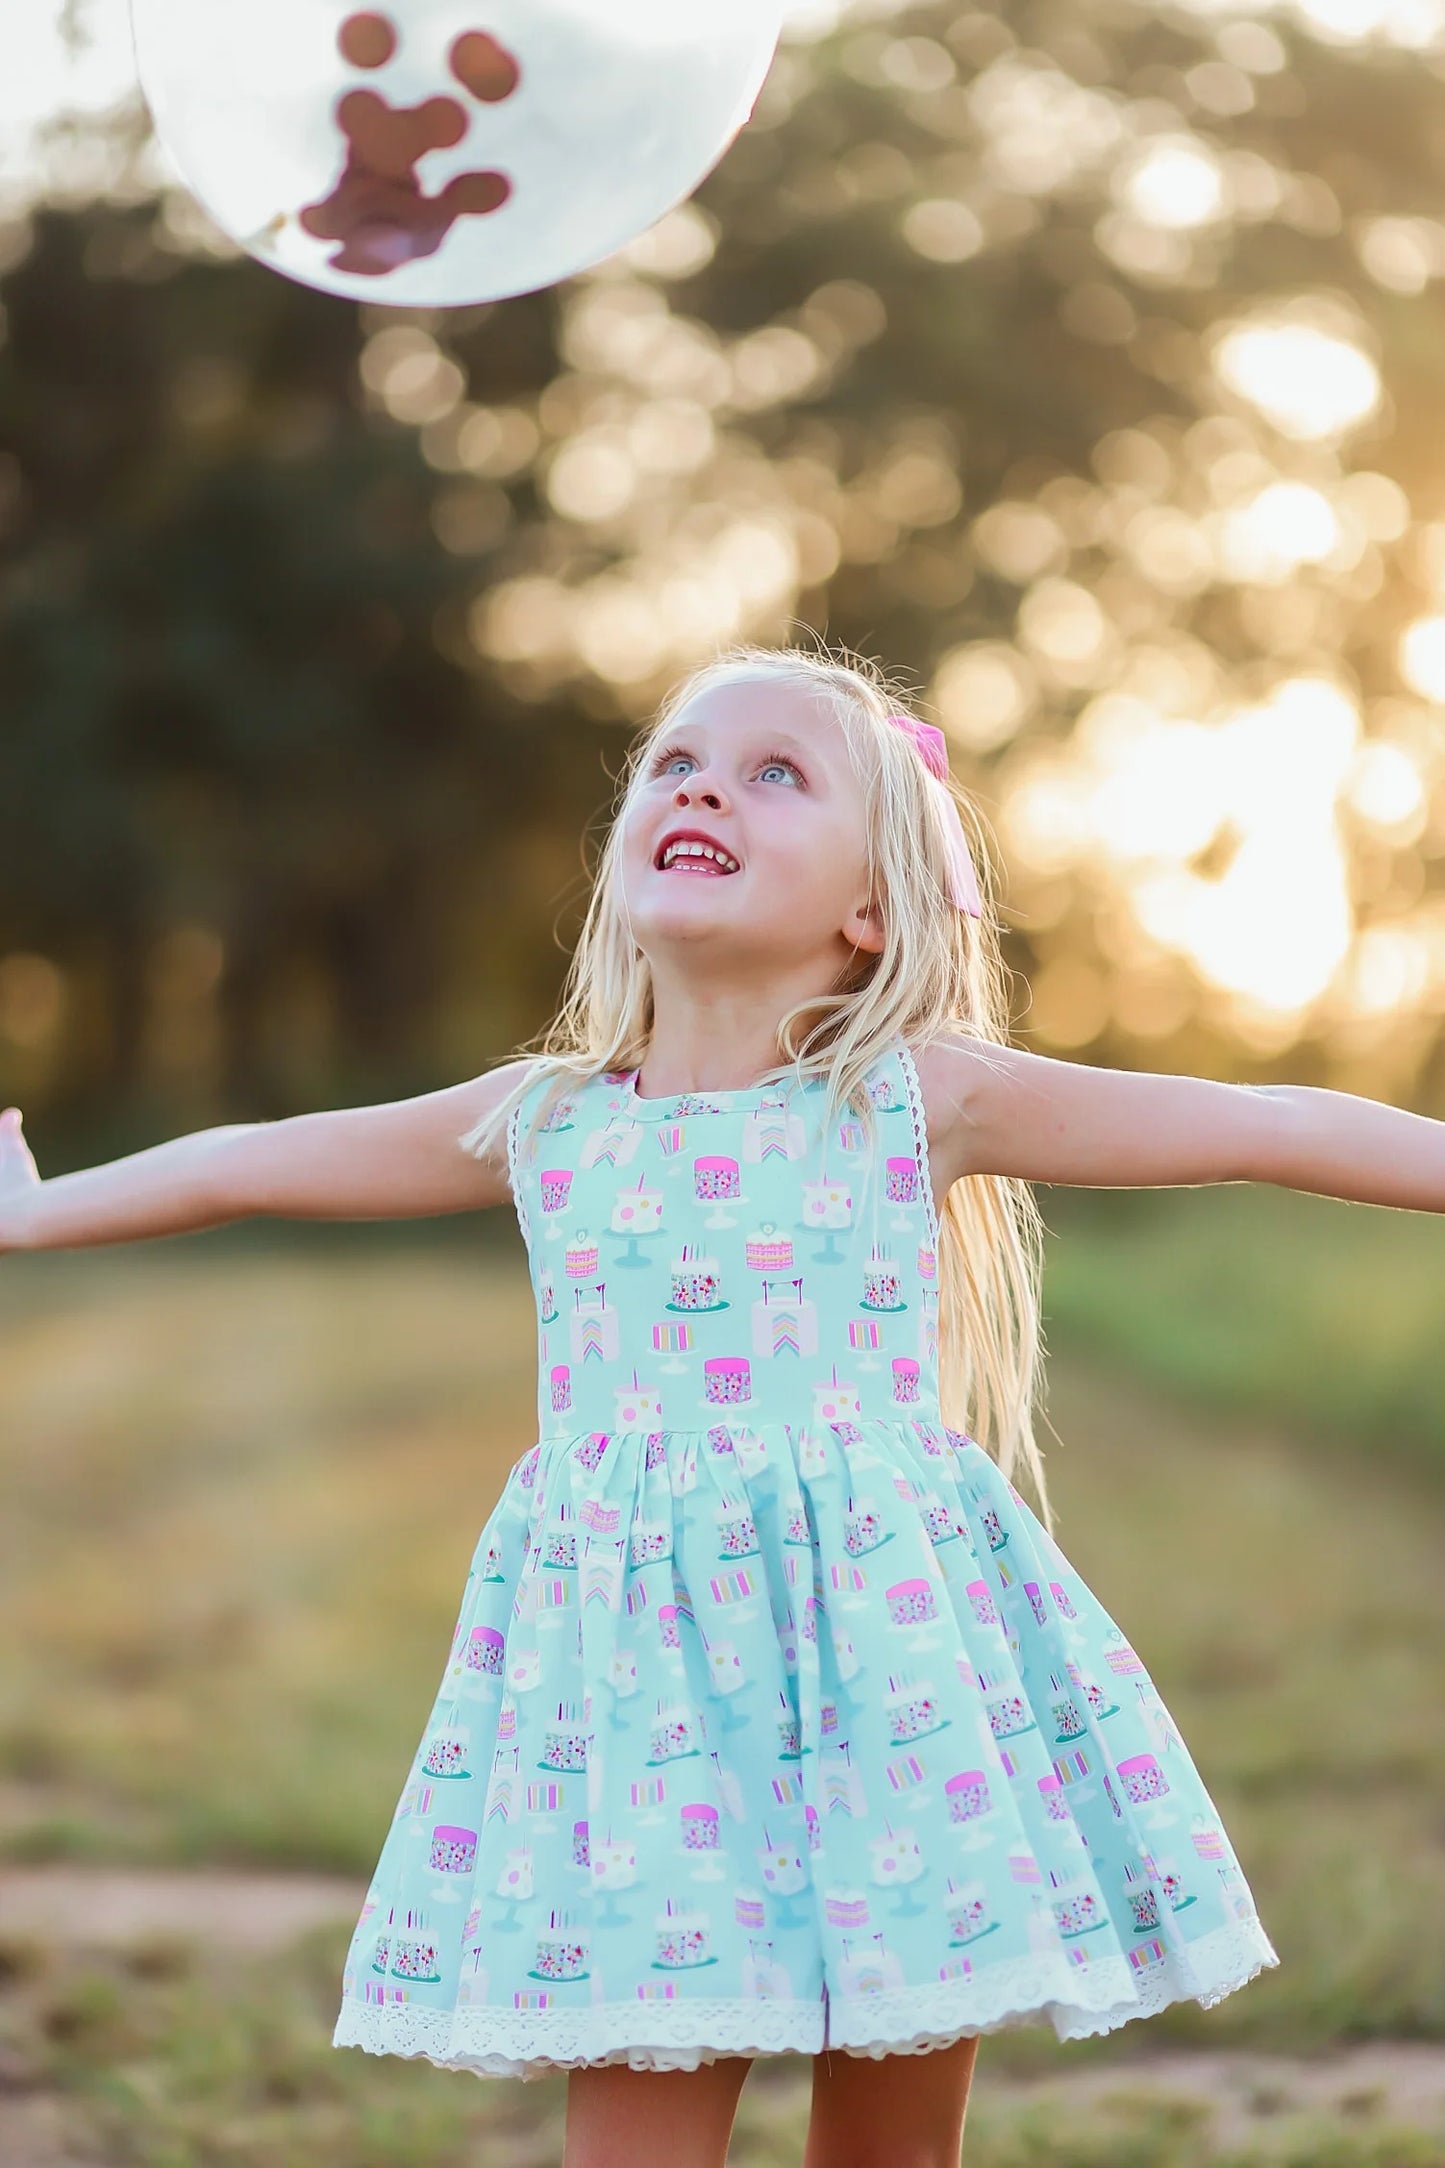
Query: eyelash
x=675, y=752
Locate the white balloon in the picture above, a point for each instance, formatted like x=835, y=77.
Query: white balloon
x=440, y=152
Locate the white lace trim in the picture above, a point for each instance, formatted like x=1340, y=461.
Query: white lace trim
x=919, y=1113
x=503, y=2043
x=518, y=1200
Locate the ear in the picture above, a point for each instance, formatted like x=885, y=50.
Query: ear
x=863, y=929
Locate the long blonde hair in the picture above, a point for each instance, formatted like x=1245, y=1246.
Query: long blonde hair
x=940, y=973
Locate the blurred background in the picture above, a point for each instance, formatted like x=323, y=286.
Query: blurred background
x=1083, y=365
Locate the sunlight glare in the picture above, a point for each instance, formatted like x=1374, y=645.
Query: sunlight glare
x=1307, y=382
x=1422, y=656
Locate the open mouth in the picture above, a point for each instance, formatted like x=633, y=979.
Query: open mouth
x=699, y=860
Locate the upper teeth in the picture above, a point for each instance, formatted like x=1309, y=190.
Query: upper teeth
x=699, y=850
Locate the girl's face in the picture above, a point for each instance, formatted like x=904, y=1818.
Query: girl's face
x=762, y=771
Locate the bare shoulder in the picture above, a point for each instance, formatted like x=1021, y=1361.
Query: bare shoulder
x=465, y=1106
x=964, y=1082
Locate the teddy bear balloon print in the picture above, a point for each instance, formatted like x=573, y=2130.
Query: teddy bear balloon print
x=438, y=153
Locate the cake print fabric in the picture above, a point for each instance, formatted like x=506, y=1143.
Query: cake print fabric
x=774, y=1720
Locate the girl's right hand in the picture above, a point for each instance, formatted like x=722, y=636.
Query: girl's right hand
x=19, y=1179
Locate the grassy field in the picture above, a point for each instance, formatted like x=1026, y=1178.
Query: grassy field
x=1256, y=1301
x=243, y=1484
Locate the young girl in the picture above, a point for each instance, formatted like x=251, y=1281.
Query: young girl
x=775, y=1719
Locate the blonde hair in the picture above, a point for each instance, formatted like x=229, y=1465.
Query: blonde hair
x=940, y=973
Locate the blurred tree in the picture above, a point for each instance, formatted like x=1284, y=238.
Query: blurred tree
x=1076, y=362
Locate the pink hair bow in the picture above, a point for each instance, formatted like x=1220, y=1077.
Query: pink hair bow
x=932, y=748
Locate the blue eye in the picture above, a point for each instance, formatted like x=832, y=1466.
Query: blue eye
x=670, y=753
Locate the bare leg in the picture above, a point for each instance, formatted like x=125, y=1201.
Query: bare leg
x=903, y=2111
x=617, y=2117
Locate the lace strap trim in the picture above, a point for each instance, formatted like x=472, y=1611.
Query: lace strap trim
x=919, y=1113
x=513, y=1131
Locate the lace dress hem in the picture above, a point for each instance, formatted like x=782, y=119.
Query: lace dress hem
x=907, y=2021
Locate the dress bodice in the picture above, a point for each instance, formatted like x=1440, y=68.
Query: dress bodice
x=714, y=1257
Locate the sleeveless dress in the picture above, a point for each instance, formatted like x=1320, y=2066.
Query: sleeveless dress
x=774, y=1720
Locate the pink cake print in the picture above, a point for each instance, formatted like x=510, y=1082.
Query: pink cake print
x=980, y=1596
x=1142, y=1778
x=846, y=1908
x=485, y=1648
x=1055, y=1798
x=790, y=1729
x=967, y=1795
x=453, y=1849
x=768, y=1250
x=715, y=1176
x=560, y=1381
x=727, y=1380
x=1120, y=1658
x=700, y=1830
x=748, y=1910
x=579, y=1258
x=556, y=1185
x=905, y=1380
x=1207, y=1838
x=911, y=1602
x=1061, y=1600
x=900, y=1181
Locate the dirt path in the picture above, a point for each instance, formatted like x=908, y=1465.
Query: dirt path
x=1387, y=2082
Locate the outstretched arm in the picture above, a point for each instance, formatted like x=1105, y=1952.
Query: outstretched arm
x=400, y=1160
x=998, y=1110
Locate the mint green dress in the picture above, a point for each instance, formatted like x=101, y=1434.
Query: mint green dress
x=773, y=1721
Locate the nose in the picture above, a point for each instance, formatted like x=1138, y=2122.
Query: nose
x=690, y=787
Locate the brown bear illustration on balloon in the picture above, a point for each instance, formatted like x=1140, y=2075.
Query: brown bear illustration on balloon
x=378, y=210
